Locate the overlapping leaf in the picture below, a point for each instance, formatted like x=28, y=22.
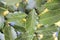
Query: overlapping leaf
x=52, y=6
x=2, y=10
x=30, y=24
x=16, y=17
x=1, y=21
x=7, y=32
x=47, y=32
x=19, y=28
x=50, y=17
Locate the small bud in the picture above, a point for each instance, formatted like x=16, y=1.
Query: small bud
x=5, y=13
x=49, y=1
x=40, y=36
x=46, y=10
x=57, y=23
x=39, y=25
x=26, y=0
x=17, y=4
x=55, y=38
x=24, y=20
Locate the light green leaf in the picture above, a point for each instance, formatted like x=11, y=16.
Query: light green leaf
x=22, y=6
x=1, y=21
x=7, y=32
x=40, y=2
x=48, y=37
x=35, y=38
x=30, y=24
x=2, y=10
x=12, y=2
x=50, y=17
x=47, y=32
x=12, y=8
x=52, y=6
x=23, y=36
x=16, y=17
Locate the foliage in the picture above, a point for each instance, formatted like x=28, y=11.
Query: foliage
x=30, y=19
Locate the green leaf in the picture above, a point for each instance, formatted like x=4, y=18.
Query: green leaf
x=40, y=2
x=19, y=28
x=2, y=10
x=40, y=5
x=22, y=6
x=11, y=8
x=1, y=21
x=30, y=24
x=52, y=6
x=59, y=34
x=12, y=2
x=56, y=1
x=2, y=4
x=48, y=37
x=23, y=36
x=16, y=17
x=7, y=32
x=47, y=32
x=35, y=38
x=50, y=17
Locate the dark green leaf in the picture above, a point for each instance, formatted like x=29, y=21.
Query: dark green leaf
x=19, y=28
